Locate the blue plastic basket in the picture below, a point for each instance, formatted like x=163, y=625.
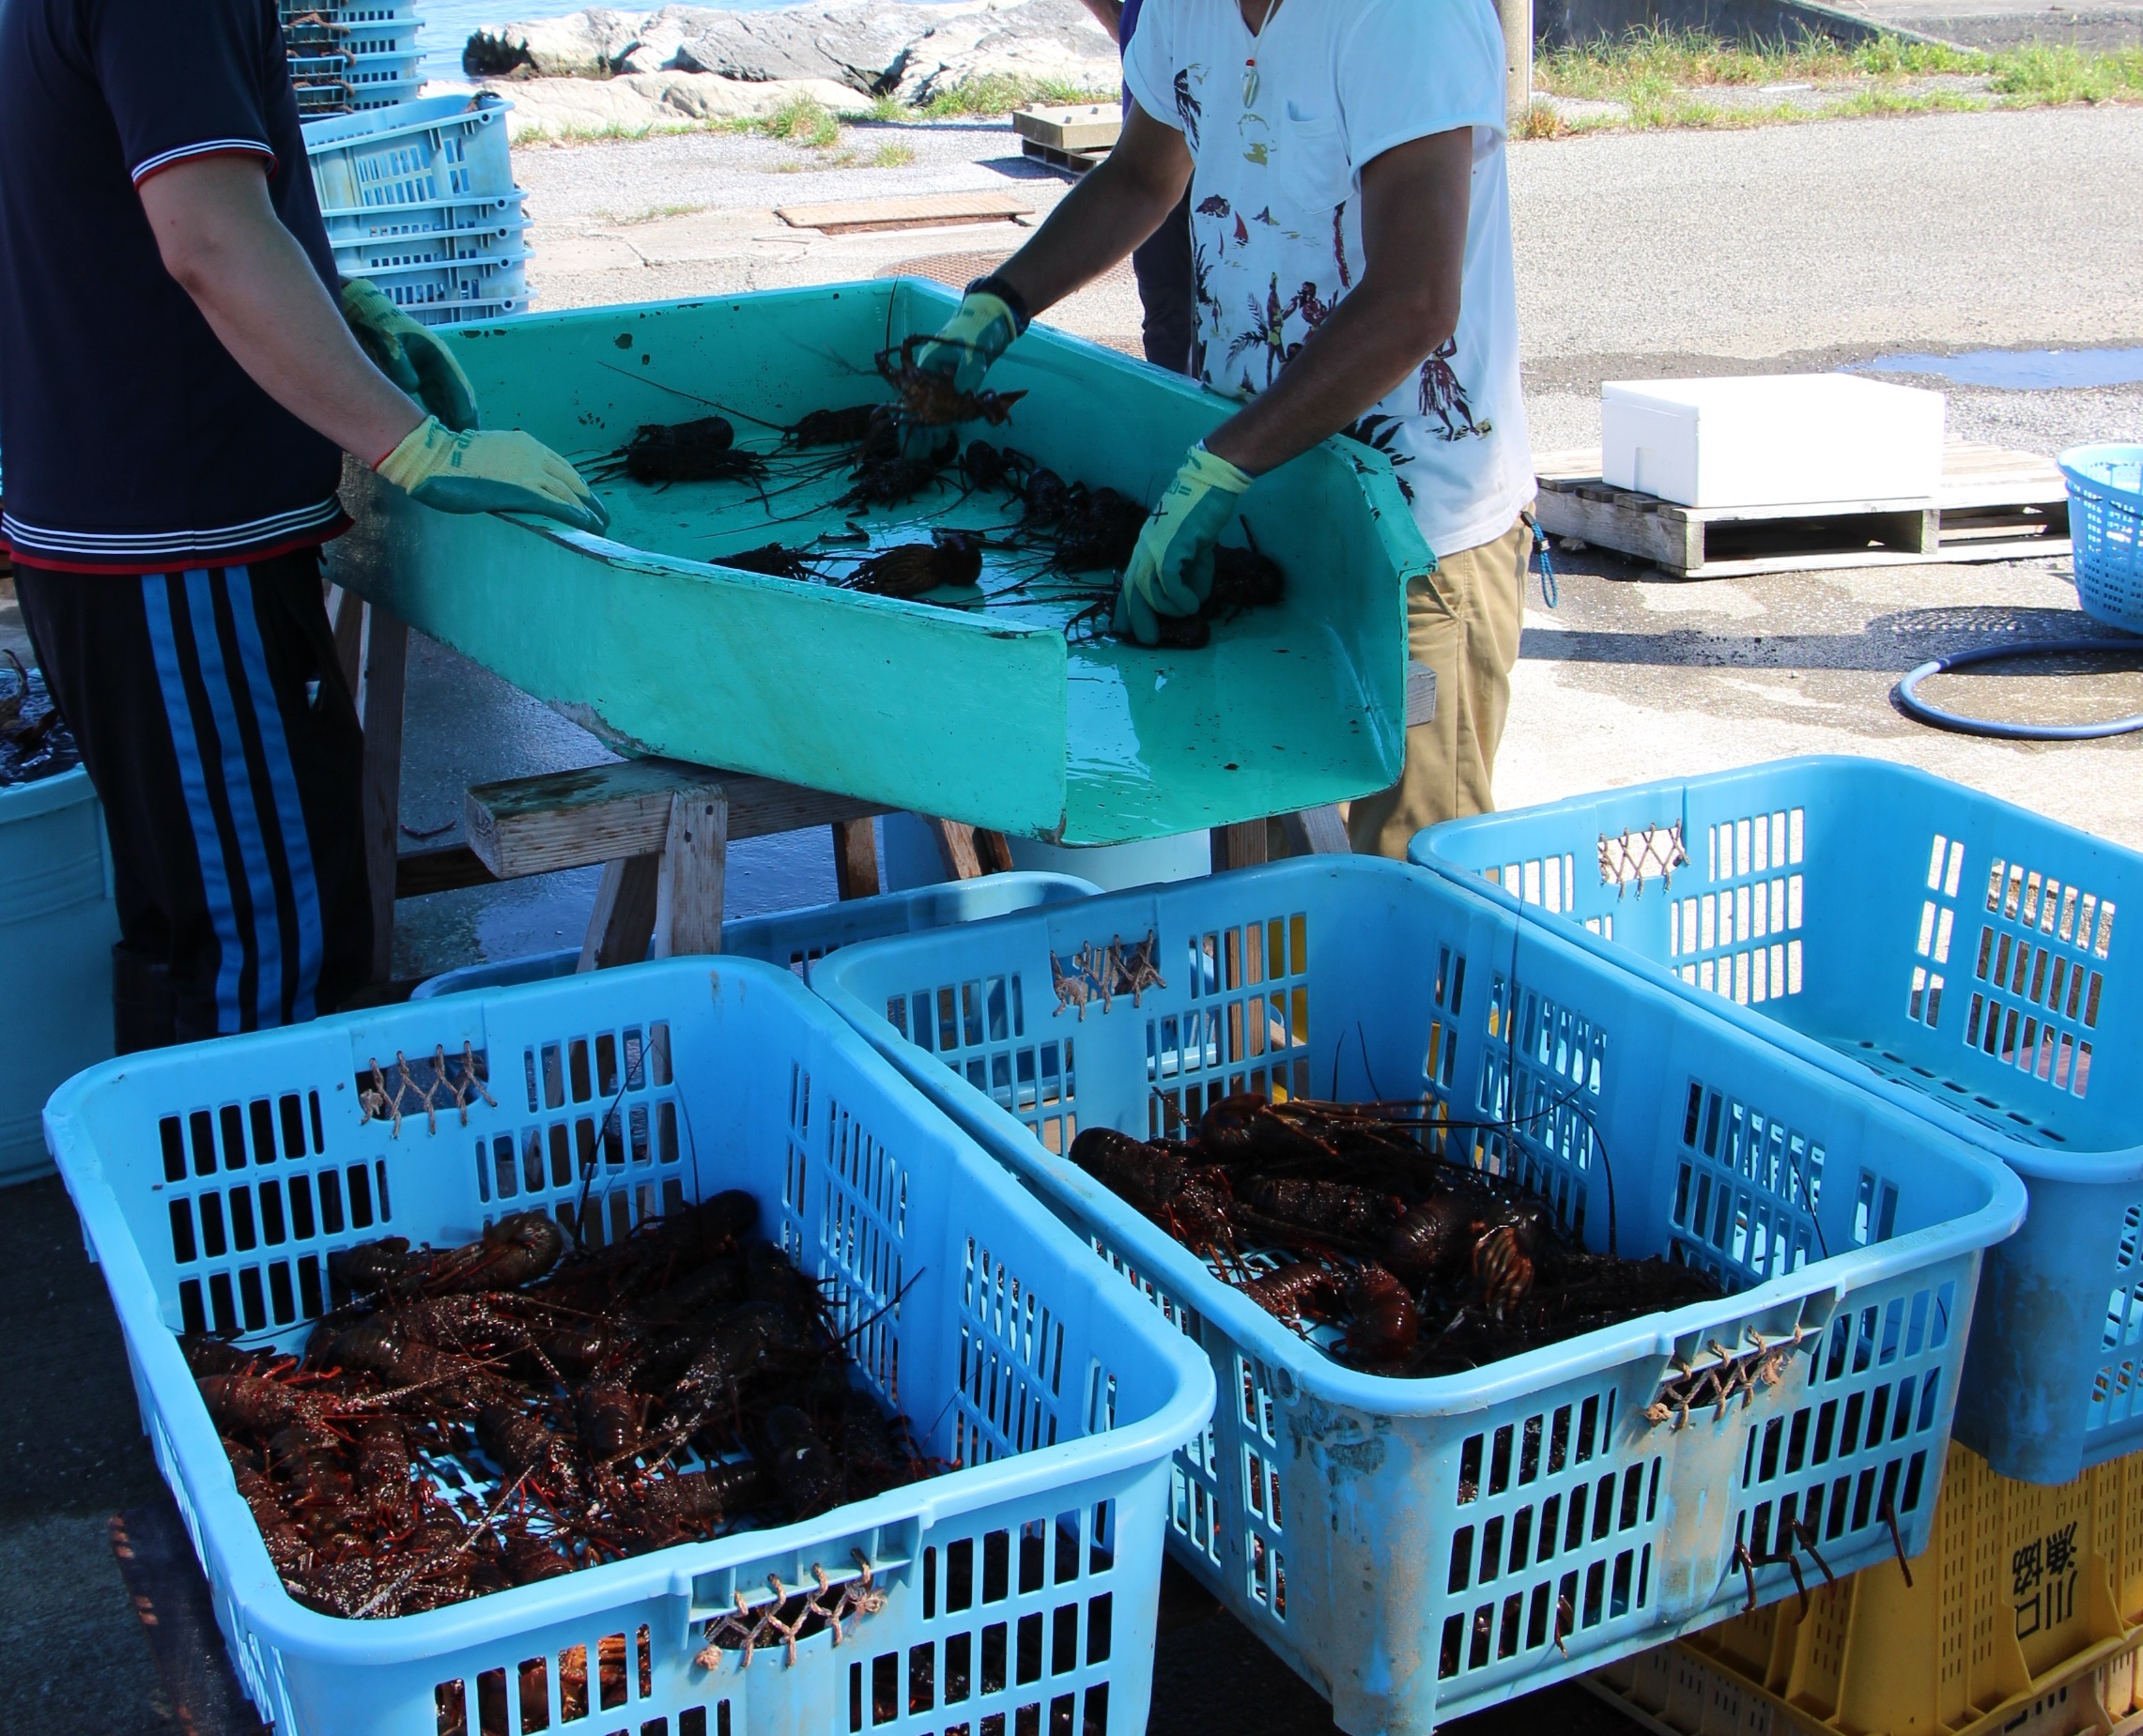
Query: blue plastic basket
x=214, y=1180
x=2105, y=523
x=1422, y=1548
x=795, y=937
x=416, y=153
x=1950, y=951
x=58, y=924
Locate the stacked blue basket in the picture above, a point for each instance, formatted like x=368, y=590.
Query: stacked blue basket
x=345, y=56
x=1949, y=952
x=420, y=198
x=1420, y=1548
x=2105, y=521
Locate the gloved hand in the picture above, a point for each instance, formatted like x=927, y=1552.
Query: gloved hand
x=506, y=472
x=1171, y=570
x=976, y=335
x=414, y=357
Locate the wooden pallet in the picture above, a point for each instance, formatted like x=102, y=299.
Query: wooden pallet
x=1085, y=127
x=1071, y=162
x=1994, y=505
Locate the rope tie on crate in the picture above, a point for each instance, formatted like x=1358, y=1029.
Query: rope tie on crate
x=1657, y=850
x=382, y=1100
x=785, y=1619
x=1732, y=1377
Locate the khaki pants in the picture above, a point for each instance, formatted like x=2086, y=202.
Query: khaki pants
x=1462, y=621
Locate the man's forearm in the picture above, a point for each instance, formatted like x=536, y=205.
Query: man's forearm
x=1374, y=338
x=1107, y=13
x=1115, y=206
x=221, y=240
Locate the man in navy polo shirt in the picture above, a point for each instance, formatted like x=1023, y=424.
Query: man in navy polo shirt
x=177, y=388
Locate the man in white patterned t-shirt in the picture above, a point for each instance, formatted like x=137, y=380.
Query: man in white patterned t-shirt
x=1350, y=232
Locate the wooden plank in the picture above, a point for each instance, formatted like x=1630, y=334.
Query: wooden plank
x=560, y=820
x=346, y=617
x=443, y=867
x=955, y=848
x=622, y=921
x=385, y=679
x=1420, y=694
x=855, y=859
x=993, y=850
x=926, y=210
x=1240, y=846
x=1092, y=126
x=1316, y=831
x=695, y=857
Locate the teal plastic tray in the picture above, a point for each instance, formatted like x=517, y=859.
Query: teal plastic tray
x=989, y=716
x=58, y=923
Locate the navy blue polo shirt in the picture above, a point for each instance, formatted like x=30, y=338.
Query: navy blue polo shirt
x=134, y=442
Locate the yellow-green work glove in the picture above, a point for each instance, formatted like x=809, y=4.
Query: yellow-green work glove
x=414, y=357
x=506, y=472
x=971, y=339
x=1171, y=570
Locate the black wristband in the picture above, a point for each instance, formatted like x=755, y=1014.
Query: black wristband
x=994, y=285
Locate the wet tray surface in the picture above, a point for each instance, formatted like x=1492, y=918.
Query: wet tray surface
x=986, y=705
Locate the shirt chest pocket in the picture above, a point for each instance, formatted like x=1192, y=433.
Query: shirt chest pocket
x=1313, y=172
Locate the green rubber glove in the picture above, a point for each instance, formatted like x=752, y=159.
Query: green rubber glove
x=971, y=339
x=1171, y=570
x=506, y=472
x=414, y=357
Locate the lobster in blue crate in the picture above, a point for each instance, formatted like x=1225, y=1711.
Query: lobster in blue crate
x=1553, y=1314
x=534, y=1354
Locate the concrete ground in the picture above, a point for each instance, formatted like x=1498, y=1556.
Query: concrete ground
x=1667, y=254
x=2006, y=23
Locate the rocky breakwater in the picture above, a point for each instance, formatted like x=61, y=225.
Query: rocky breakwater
x=603, y=70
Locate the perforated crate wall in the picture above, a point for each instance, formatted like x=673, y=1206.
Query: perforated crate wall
x=1420, y=1548
x=1953, y=952
x=214, y=1184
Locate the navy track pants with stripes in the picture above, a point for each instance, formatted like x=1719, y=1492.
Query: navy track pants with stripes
x=225, y=747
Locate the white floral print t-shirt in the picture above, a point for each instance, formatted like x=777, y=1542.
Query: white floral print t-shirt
x=1275, y=218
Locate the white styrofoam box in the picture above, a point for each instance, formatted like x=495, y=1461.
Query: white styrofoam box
x=1783, y=439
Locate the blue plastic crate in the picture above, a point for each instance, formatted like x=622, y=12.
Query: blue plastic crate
x=489, y=222
x=2105, y=523
x=416, y=153
x=214, y=1180
x=795, y=937
x=1422, y=1548
x=57, y=925
x=1950, y=951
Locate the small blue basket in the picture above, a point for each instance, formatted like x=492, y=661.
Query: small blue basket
x=796, y=937
x=215, y=1181
x=2105, y=527
x=1950, y=951
x=1418, y=1549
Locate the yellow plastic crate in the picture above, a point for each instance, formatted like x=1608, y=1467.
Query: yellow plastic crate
x=2024, y=1617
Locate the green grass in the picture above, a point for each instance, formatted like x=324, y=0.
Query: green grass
x=1659, y=78
x=892, y=156
x=801, y=122
x=1000, y=96
x=2031, y=77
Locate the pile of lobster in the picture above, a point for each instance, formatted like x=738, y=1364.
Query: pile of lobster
x=895, y=452
x=506, y=1411
x=1343, y=1217
x=34, y=742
